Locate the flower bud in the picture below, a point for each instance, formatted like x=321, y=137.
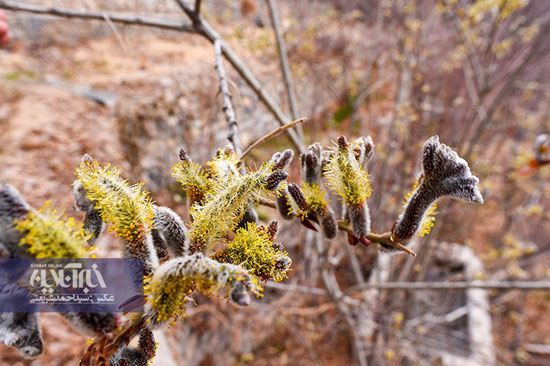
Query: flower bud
x=283, y=161
x=284, y=203
x=171, y=230
x=360, y=219
x=298, y=197
x=363, y=148
x=274, y=179
x=273, y=229
x=311, y=164
x=328, y=223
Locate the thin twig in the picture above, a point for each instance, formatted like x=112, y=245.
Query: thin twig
x=461, y=285
x=205, y=29
x=83, y=14
x=273, y=133
x=285, y=67
x=425, y=286
x=233, y=136
x=115, y=32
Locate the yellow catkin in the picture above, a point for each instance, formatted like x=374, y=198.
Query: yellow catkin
x=127, y=207
x=48, y=233
x=346, y=177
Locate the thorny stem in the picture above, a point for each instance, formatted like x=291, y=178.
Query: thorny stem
x=385, y=238
x=273, y=133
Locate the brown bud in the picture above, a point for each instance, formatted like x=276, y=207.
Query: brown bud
x=274, y=179
x=184, y=156
x=298, y=196
x=284, y=160
x=273, y=229
x=342, y=142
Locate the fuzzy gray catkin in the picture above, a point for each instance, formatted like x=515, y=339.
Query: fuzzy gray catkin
x=298, y=197
x=328, y=223
x=19, y=330
x=22, y=331
x=444, y=173
x=279, y=162
x=282, y=160
x=284, y=203
x=93, y=223
x=359, y=217
x=136, y=356
x=311, y=164
x=312, y=169
x=93, y=324
x=170, y=231
x=12, y=207
x=363, y=148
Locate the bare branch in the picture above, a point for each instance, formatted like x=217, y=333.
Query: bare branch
x=114, y=17
x=285, y=67
x=426, y=286
x=115, y=31
x=461, y=285
x=205, y=29
x=273, y=133
x=227, y=106
x=197, y=10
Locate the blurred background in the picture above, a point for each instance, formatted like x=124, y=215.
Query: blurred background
x=476, y=73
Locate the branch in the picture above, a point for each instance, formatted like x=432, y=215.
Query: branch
x=227, y=106
x=200, y=26
x=385, y=238
x=461, y=285
x=197, y=10
x=270, y=135
x=425, y=286
x=114, y=17
x=205, y=29
x=285, y=67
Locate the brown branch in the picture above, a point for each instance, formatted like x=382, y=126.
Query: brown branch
x=425, y=286
x=461, y=285
x=385, y=238
x=285, y=67
x=197, y=10
x=114, y=17
x=273, y=133
x=205, y=29
x=227, y=106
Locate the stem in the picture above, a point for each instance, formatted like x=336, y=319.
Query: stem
x=206, y=30
x=270, y=135
x=114, y=17
x=385, y=238
x=285, y=67
x=227, y=106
